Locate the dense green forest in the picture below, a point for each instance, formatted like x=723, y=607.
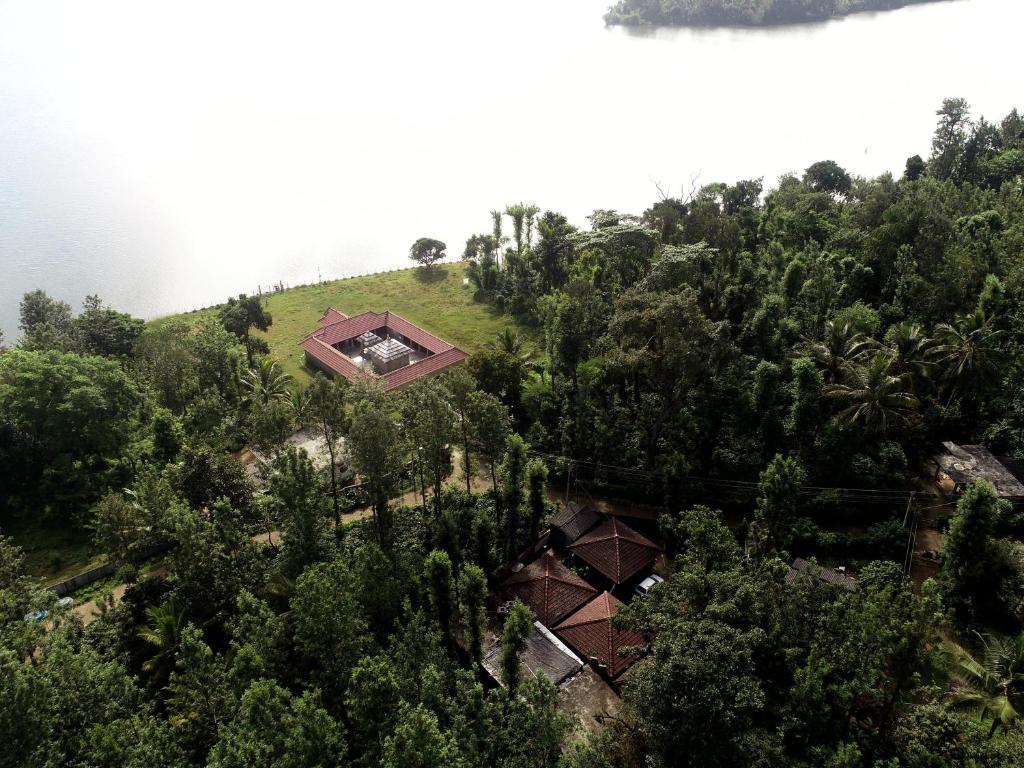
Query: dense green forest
x=752, y=12
x=768, y=368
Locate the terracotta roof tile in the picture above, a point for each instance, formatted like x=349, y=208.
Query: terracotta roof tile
x=616, y=550
x=330, y=316
x=549, y=588
x=335, y=328
x=425, y=367
x=591, y=632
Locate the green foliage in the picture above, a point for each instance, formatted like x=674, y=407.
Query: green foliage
x=536, y=481
x=324, y=405
x=206, y=476
x=982, y=578
x=298, y=494
x=513, y=476
x=417, y=742
x=76, y=415
x=274, y=729
x=329, y=627
x=374, y=443
x=168, y=436
x=777, y=502
x=425, y=251
x=518, y=627
x=472, y=589
x=429, y=425
x=437, y=573
x=850, y=324
x=239, y=316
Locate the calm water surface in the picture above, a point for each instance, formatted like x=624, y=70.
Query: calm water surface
x=166, y=155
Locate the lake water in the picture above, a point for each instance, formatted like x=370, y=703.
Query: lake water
x=167, y=155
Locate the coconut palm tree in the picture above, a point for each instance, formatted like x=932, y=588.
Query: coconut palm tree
x=530, y=212
x=265, y=382
x=299, y=402
x=510, y=341
x=838, y=350
x=908, y=349
x=967, y=352
x=990, y=684
x=875, y=398
x=499, y=238
x=163, y=632
x=518, y=214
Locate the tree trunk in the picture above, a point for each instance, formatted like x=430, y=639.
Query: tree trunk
x=465, y=455
x=334, y=484
x=423, y=483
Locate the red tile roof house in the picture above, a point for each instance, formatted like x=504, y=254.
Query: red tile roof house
x=590, y=631
x=549, y=588
x=380, y=344
x=616, y=550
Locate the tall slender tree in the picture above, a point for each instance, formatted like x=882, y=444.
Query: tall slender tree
x=472, y=594
x=515, y=636
x=513, y=477
x=326, y=408
x=460, y=386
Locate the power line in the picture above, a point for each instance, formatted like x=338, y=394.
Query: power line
x=861, y=495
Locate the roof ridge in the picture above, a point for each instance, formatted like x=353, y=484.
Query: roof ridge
x=618, y=559
x=566, y=625
x=581, y=583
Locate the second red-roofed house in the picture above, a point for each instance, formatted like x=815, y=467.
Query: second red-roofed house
x=616, y=550
x=591, y=633
x=549, y=588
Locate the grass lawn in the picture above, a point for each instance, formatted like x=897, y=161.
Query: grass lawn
x=54, y=553
x=434, y=299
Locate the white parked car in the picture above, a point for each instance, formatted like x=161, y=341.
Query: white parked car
x=645, y=586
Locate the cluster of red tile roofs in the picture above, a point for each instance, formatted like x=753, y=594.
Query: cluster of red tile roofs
x=554, y=592
x=336, y=327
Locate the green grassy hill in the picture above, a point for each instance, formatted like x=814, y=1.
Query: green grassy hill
x=435, y=299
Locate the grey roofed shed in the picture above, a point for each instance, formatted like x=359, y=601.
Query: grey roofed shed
x=571, y=522
x=828, y=575
x=964, y=464
x=389, y=355
x=544, y=654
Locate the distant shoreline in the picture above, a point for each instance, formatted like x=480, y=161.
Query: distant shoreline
x=708, y=14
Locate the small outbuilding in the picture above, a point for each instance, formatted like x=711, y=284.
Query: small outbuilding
x=616, y=550
x=571, y=522
x=591, y=632
x=367, y=340
x=544, y=654
x=964, y=464
x=834, y=576
x=549, y=588
x=388, y=355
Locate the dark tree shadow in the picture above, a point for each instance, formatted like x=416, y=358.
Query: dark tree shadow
x=429, y=275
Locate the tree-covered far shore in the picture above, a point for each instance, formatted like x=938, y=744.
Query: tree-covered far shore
x=696, y=13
